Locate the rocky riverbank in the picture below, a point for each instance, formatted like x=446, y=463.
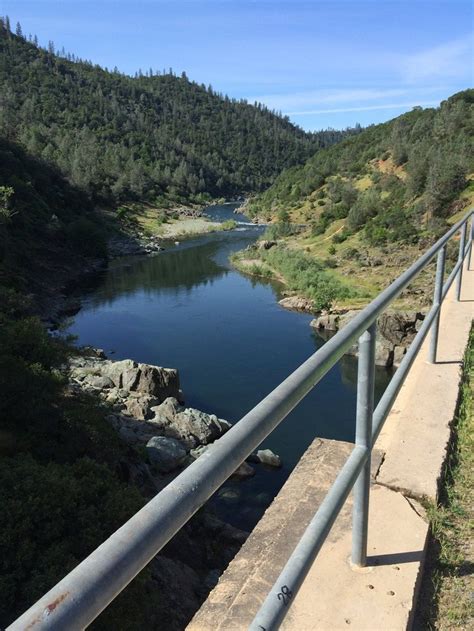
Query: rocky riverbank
x=145, y=406
x=147, y=411
x=395, y=332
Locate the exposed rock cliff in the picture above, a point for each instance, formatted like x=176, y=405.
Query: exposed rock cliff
x=395, y=332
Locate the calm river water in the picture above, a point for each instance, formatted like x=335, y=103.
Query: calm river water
x=231, y=341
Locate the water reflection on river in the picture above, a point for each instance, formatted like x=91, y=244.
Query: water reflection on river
x=187, y=308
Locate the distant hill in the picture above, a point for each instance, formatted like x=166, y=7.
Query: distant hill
x=358, y=213
x=153, y=137
x=393, y=181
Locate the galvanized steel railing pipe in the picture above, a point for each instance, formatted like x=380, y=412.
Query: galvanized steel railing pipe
x=80, y=597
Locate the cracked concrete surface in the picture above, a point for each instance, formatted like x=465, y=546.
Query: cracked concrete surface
x=407, y=466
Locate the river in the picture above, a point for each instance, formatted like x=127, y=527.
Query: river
x=232, y=343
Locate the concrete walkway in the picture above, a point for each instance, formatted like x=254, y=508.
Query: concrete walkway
x=408, y=464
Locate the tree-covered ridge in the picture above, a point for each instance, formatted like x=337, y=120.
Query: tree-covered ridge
x=146, y=137
x=390, y=181
x=45, y=222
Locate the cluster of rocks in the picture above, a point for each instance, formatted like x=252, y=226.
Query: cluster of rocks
x=128, y=245
x=186, y=212
x=395, y=332
x=147, y=410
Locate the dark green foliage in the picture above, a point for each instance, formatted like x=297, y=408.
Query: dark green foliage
x=279, y=230
x=394, y=224
x=433, y=145
x=61, y=487
x=87, y=237
x=52, y=517
x=48, y=221
x=368, y=204
x=341, y=236
x=144, y=137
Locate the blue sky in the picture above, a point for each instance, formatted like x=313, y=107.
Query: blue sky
x=325, y=63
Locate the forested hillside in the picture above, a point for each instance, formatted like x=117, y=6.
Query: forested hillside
x=393, y=180
x=153, y=137
x=357, y=213
x=46, y=223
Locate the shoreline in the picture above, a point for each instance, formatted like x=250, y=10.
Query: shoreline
x=61, y=300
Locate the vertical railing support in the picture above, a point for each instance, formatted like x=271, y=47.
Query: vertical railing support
x=437, y=299
x=365, y=408
x=462, y=243
x=471, y=244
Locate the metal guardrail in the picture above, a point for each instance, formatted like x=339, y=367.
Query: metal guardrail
x=86, y=591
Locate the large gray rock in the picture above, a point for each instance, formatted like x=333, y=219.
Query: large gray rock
x=152, y=380
x=395, y=332
x=333, y=321
x=191, y=426
x=140, y=407
x=98, y=381
x=165, y=454
x=265, y=244
x=266, y=457
x=297, y=303
x=243, y=472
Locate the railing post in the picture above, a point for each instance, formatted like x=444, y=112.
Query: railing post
x=365, y=408
x=437, y=299
x=462, y=243
x=469, y=261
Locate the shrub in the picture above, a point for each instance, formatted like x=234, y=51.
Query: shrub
x=306, y=276
x=230, y=224
x=352, y=253
x=368, y=204
x=279, y=230
x=341, y=236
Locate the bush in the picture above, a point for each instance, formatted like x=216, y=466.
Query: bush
x=341, y=236
x=306, y=276
x=278, y=230
x=368, y=204
x=230, y=224
x=352, y=253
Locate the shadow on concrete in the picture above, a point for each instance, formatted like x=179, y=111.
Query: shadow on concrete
x=395, y=558
x=449, y=361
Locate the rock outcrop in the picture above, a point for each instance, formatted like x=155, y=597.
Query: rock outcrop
x=133, y=245
x=297, y=303
x=395, y=332
x=120, y=378
x=265, y=244
x=146, y=410
x=165, y=454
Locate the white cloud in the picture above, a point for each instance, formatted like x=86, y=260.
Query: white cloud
x=321, y=97
x=448, y=61
x=365, y=108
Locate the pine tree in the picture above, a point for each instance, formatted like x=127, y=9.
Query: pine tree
x=18, y=31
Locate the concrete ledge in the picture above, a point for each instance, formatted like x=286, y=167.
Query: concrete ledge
x=417, y=432
x=411, y=451
x=236, y=599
